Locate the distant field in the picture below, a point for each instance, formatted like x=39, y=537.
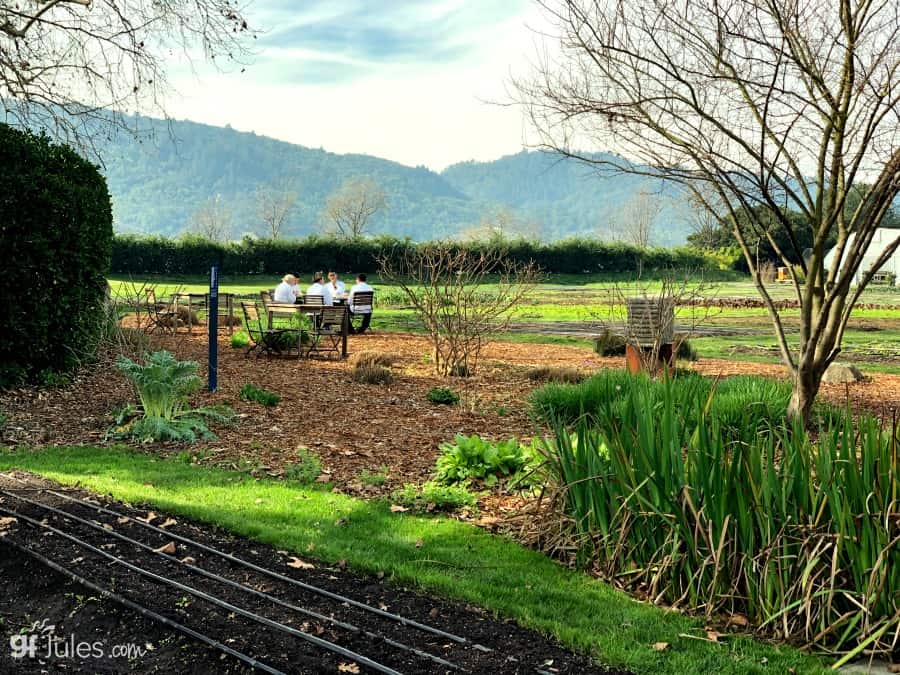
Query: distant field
x=568, y=309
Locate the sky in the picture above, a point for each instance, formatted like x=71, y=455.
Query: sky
x=421, y=82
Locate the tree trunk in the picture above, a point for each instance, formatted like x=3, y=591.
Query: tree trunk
x=807, y=381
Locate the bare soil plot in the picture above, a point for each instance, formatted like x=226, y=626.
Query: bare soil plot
x=224, y=602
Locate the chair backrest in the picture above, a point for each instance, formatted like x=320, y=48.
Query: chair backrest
x=313, y=300
x=332, y=316
x=252, y=319
x=363, y=299
x=151, y=295
x=266, y=297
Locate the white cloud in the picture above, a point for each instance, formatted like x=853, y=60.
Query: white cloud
x=409, y=110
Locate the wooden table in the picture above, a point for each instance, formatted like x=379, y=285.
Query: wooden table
x=202, y=299
x=284, y=309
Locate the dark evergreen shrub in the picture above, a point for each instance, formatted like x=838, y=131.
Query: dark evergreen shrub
x=56, y=240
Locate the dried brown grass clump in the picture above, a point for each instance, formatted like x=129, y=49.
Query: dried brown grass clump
x=563, y=374
x=370, y=374
x=372, y=358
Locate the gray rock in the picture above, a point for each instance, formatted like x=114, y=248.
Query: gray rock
x=842, y=373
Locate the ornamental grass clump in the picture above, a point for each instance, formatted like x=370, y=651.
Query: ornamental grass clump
x=163, y=385
x=800, y=535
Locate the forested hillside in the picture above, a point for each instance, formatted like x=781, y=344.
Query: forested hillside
x=159, y=182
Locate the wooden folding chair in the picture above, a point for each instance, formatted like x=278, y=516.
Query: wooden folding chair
x=267, y=340
x=160, y=315
x=327, y=331
x=361, y=311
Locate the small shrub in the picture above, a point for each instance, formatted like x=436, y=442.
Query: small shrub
x=461, y=370
x=265, y=398
x=163, y=385
x=609, y=344
x=432, y=496
x=443, y=396
x=368, y=358
x=306, y=469
x=686, y=351
x=239, y=340
x=372, y=375
x=373, y=479
x=555, y=374
x=473, y=458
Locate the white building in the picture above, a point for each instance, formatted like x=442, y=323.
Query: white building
x=883, y=238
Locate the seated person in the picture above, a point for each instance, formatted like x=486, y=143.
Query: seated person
x=286, y=292
x=318, y=288
x=365, y=311
x=335, y=285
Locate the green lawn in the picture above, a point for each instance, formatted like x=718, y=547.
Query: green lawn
x=565, y=298
x=454, y=559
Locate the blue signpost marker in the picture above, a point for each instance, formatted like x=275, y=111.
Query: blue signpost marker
x=213, y=321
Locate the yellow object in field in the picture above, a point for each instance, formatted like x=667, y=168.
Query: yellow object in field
x=784, y=274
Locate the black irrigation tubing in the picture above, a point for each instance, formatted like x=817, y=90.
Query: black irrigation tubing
x=319, y=642
x=275, y=575
x=143, y=611
x=234, y=584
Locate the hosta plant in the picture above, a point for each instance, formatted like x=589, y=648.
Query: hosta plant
x=471, y=458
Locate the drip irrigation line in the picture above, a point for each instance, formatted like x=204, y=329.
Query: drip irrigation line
x=143, y=611
x=319, y=642
x=275, y=575
x=242, y=587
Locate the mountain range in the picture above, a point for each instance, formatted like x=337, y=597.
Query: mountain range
x=159, y=180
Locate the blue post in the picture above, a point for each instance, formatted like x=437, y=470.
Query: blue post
x=212, y=320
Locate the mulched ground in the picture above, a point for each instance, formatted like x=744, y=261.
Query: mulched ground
x=352, y=427
x=31, y=597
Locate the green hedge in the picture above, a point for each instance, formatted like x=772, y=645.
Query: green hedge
x=56, y=238
x=192, y=255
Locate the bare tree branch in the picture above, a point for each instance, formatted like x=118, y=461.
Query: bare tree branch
x=775, y=107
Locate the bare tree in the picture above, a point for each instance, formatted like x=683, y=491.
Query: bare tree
x=502, y=225
x=71, y=66
x=448, y=289
x=635, y=222
x=703, y=218
x=273, y=205
x=352, y=205
x=212, y=220
x=773, y=106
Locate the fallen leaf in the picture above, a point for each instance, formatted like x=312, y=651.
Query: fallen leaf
x=188, y=560
x=894, y=668
x=150, y=516
x=298, y=564
x=434, y=613
x=713, y=636
x=348, y=668
x=169, y=522
x=168, y=549
x=342, y=564
x=660, y=646
x=396, y=508
x=738, y=620
x=6, y=522
x=122, y=520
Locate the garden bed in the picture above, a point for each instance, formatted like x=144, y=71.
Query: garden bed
x=357, y=430
x=30, y=594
